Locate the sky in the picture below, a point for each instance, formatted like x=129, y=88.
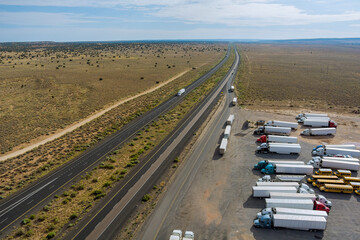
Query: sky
x=111, y=20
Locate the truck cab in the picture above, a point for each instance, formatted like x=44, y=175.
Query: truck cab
x=324, y=200
x=259, y=130
x=265, y=178
x=176, y=235
x=269, y=169
x=189, y=235
x=262, y=139
x=306, y=188
x=261, y=164
x=320, y=206
x=263, y=222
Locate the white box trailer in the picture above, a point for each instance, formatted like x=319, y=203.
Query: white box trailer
x=277, y=139
x=344, y=146
x=292, y=211
x=286, y=168
x=223, y=146
x=264, y=191
x=312, y=122
x=277, y=130
x=293, y=195
x=227, y=131
x=289, y=203
x=232, y=88
x=299, y=222
x=276, y=123
x=318, y=131
x=290, y=178
x=234, y=101
x=279, y=148
x=230, y=119
x=339, y=159
x=278, y=184
x=301, y=120
x=324, y=163
x=321, y=151
x=307, y=115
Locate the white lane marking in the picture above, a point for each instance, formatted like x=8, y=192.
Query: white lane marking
x=30, y=202
x=4, y=220
x=70, y=174
x=15, y=204
x=51, y=186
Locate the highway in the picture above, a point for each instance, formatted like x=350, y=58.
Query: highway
x=156, y=227
x=104, y=222
x=39, y=193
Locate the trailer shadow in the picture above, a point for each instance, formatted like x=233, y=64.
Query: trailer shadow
x=252, y=202
x=318, y=137
x=277, y=156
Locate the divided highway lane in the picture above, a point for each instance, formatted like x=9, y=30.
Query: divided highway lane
x=156, y=227
x=106, y=221
x=36, y=195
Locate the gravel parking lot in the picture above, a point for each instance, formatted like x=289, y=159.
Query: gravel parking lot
x=219, y=202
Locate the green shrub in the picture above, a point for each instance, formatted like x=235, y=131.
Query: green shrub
x=50, y=235
x=25, y=221
x=73, y=216
x=145, y=198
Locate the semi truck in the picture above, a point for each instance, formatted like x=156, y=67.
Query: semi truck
x=276, y=123
x=343, y=146
x=324, y=163
x=318, y=131
x=291, y=222
x=232, y=88
x=327, y=151
x=275, y=138
x=312, y=196
x=307, y=115
x=176, y=235
x=285, y=148
x=227, y=132
x=286, y=168
x=264, y=191
x=301, y=187
x=282, y=178
x=223, y=145
x=180, y=92
x=337, y=159
x=301, y=120
x=296, y=203
x=272, y=130
x=230, y=119
x=291, y=211
x=234, y=101
x=314, y=122
x=263, y=163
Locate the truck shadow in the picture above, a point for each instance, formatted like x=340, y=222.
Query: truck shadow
x=277, y=156
x=284, y=234
x=245, y=125
x=318, y=137
x=252, y=202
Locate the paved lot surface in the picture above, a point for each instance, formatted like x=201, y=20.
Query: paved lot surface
x=218, y=202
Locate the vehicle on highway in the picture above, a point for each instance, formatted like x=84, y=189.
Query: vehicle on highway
x=223, y=145
x=230, y=119
x=227, y=132
x=234, y=101
x=180, y=92
x=231, y=88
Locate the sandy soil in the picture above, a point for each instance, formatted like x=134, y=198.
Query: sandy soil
x=44, y=139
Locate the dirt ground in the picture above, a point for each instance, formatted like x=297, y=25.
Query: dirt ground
x=219, y=203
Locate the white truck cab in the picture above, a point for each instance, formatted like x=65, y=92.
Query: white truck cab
x=176, y=235
x=189, y=235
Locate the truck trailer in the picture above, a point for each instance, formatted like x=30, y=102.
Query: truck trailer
x=263, y=163
x=343, y=146
x=234, y=101
x=230, y=119
x=291, y=211
x=324, y=163
x=291, y=222
x=273, y=130
x=337, y=159
x=284, y=148
x=264, y=191
x=301, y=120
x=223, y=145
x=276, y=123
x=286, y=168
x=296, y=203
x=308, y=115
x=312, y=122
x=327, y=151
x=312, y=196
x=227, y=132
x=275, y=138
x=318, y=131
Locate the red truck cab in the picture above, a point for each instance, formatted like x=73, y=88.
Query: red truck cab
x=320, y=206
x=332, y=124
x=262, y=139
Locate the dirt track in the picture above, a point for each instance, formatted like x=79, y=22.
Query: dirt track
x=219, y=205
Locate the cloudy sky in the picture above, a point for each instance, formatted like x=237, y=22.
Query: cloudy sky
x=101, y=20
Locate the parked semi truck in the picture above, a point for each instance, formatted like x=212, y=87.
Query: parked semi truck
x=296, y=203
x=275, y=138
x=264, y=191
x=307, y=115
x=301, y=187
x=318, y=131
x=343, y=146
x=327, y=151
x=324, y=163
x=314, y=122
x=291, y=211
x=263, y=163
x=312, y=196
x=286, y=168
x=301, y=120
x=276, y=123
x=223, y=145
x=230, y=119
x=337, y=159
x=282, y=178
x=227, y=132
x=291, y=222
x=284, y=148
x=273, y=130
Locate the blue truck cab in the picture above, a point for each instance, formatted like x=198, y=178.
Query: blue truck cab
x=264, y=222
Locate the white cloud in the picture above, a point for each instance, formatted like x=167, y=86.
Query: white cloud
x=42, y=19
